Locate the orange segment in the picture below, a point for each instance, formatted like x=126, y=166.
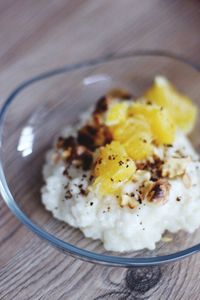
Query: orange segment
x=130, y=127
x=116, y=114
x=179, y=106
x=139, y=146
x=112, y=167
x=162, y=126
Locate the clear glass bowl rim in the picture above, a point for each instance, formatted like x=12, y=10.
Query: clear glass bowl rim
x=56, y=242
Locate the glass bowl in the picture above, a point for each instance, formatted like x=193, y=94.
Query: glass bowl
x=39, y=108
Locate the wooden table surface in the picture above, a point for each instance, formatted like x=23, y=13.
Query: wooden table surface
x=39, y=35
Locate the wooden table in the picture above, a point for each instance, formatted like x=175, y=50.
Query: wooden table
x=39, y=35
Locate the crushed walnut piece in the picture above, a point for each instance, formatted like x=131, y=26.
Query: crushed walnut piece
x=102, y=105
x=187, y=181
x=72, y=153
x=120, y=94
x=79, y=150
x=157, y=191
x=65, y=143
x=82, y=157
x=175, y=166
x=154, y=167
x=142, y=176
x=128, y=201
x=93, y=137
x=166, y=238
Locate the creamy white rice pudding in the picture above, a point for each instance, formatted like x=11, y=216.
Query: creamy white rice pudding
x=127, y=172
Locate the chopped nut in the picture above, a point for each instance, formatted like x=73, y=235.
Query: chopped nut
x=102, y=105
x=187, y=181
x=80, y=150
x=76, y=162
x=67, y=153
x=68, y=194
x=55, y=157
x=158, y=191
x=78, y=155
x=97, y=119
x=93, y=137
x=179, y=154
x=129, y=201
x=120, y=94
x=141, y=175
x=86, y=136
x=174, y=167
x=82, y=157
x=166, y=238
x=103, y=136
x=153, y=165
x=64, y=143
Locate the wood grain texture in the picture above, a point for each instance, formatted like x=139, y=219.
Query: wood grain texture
x=39, y=35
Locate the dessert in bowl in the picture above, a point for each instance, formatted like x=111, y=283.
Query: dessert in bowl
x=126, y=172
x=124, y=196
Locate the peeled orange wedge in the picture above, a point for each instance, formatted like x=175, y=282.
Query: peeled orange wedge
x=112, y=167
x=116, y=114
x=136, y=136
x=179, y=106
x=139, y=147
x=162, y=125
x=125, y=130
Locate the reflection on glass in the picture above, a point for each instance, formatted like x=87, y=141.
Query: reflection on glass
x=25, y=145
x=95, y=78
